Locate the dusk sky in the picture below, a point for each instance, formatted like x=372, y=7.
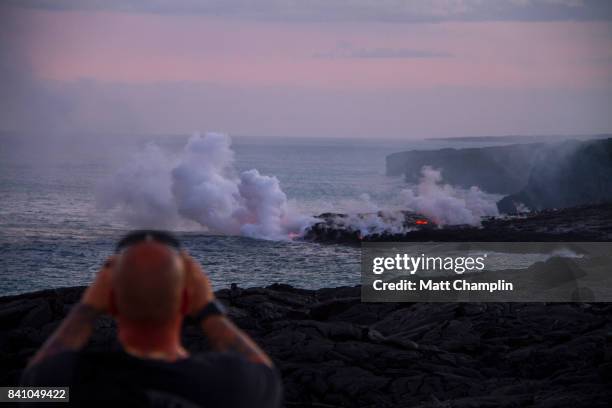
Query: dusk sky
x=368, y=69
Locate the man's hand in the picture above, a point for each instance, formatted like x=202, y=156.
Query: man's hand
x=98, y=294
x=222, y=334
x=197, y=284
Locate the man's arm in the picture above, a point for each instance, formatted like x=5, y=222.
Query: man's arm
x=222, y=334
x=76, y=329
x=72, y=334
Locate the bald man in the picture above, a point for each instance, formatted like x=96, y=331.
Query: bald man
x=149, y=287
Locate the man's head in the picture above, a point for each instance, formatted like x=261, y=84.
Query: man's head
x=148, y=283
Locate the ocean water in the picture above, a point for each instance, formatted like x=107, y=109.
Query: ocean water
x=52, y=234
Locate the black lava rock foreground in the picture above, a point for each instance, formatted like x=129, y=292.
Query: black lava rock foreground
x=334, y=351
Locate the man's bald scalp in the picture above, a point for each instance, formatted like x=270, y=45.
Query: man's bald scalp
x=148, y=283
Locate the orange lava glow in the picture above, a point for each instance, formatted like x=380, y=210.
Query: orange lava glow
x=421, y=222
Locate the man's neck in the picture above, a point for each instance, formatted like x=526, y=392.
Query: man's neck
x=154, y=341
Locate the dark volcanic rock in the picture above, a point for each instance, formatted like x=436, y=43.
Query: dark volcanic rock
x=336, y=227
x=334, y=351
x=578, y=224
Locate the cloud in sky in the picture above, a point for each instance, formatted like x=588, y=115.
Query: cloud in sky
x=149, y=67
x=346, y=50
x=351, y=10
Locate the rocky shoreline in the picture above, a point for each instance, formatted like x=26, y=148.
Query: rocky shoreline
x=335, y=351
x=589, y=223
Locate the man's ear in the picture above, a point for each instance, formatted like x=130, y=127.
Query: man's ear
x=185, y=302
x=112, y=304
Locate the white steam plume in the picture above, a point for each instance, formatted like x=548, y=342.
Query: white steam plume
x=448, y=205
x=201, y=186
x=441, y=203
x=140, y=190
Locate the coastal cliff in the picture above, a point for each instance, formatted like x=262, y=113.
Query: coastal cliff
x=566, y=175
x=536, y=176
x=497, y=169
x=335, y=351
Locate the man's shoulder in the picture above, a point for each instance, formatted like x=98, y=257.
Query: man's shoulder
x=55, y=370
x=234, y=368
x=212, y=367
x=241, y=380
x=59, y=369
x=226, y=377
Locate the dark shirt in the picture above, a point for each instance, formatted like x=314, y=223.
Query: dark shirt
x=202, y=380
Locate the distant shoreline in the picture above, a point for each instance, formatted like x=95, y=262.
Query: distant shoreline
x=521, y=138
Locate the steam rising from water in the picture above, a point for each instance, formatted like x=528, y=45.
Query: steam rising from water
x=202, y=188
x=448, y=205
x=441, y=203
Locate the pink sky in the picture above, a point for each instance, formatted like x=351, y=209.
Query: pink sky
x=322, y=60
x=123, y=47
